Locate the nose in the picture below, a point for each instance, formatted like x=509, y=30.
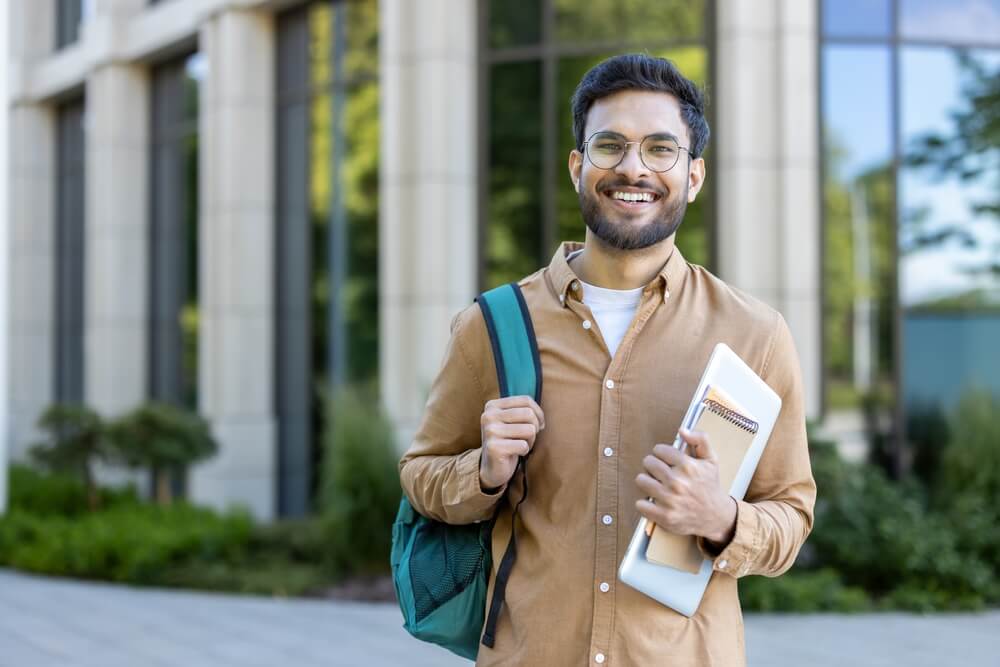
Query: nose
x=631, y=165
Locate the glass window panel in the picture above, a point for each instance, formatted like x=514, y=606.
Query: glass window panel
x=857, y=18
x=858, y=197
x=692, y=237
x=976, y=21
x=514, y=215
x=949, y=229
x=69, y=269
x=514, y=23
x=615, y=21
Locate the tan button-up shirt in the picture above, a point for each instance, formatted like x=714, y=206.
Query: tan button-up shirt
x=564, y=604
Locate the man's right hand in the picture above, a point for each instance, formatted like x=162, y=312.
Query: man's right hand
x=508, y=426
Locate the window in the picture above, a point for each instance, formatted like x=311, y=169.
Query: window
x=69, y=291
x=534, y=55
x=69, y=15
x=174, y=234
x=327, y=224
x=912, y=219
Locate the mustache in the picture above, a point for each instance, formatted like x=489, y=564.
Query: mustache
x=619, y=182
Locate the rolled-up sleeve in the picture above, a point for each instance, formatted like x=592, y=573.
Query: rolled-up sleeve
x=439, y=472
x=776, y=516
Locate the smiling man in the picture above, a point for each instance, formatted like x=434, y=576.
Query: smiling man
x=625, y=327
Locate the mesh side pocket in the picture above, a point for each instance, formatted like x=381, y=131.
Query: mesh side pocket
x=449, y=557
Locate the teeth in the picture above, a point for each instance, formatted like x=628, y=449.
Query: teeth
x=632, y=196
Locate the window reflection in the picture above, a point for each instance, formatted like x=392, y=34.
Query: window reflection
x=972, y=21
x=949, y=242
x=655, y=21
x=858, y=193
x=515, y=23
x=857, y=18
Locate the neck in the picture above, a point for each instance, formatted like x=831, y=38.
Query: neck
x=604, y=266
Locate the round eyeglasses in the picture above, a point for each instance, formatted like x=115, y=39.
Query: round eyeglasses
x=658, y=152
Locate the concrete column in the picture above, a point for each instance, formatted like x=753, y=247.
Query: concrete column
x=236, y=334
x=767, y=148
x=427, y=207
x=31, y=240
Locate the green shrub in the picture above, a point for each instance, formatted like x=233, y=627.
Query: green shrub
x=132, y=543
x=360, y=489
x=59, y=494
x=802, y=591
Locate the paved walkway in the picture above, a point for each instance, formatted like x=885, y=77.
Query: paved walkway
x=51, y=622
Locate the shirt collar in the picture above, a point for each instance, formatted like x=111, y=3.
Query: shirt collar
x=561, y=277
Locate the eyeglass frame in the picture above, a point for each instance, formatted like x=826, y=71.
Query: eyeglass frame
x=665, y=135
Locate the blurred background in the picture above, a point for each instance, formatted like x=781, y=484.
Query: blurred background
x=237, y=231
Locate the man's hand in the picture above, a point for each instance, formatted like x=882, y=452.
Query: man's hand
x=685, y=487
x=509, y=426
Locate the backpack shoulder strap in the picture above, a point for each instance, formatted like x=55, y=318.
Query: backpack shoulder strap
x=512, y=335
x=519, y=372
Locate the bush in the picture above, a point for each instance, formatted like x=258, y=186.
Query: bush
x=58, y=494
x=802, y=591
x=360, y=489
x=132, y=543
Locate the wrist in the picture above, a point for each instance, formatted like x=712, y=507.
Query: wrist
x=726, y=525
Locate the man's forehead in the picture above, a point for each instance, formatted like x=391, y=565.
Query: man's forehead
x=637, y=113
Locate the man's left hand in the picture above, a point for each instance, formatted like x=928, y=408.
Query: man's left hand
x=688, y=498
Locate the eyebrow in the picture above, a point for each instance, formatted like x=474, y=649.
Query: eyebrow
x=655, y=135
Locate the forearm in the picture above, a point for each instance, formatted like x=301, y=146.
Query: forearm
x=447, y=488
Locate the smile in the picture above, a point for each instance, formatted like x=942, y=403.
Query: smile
x=632, y=199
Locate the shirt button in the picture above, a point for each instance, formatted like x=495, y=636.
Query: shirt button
x=666, y=294
x=610, y=384
x=575, y=285
x=723, y=563
x=605, y=587
x=608, y=451
x=562, y=298
x=599, y=658
x=586, y=324
x=607, y=519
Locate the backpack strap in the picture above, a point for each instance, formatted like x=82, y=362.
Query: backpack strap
x=519, y=372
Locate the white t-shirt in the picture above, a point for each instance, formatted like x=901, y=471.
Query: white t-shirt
x=612, y=308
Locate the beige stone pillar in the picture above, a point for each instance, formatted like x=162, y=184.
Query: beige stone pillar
x=767, y=165
x=236, y=334
x=427, y=189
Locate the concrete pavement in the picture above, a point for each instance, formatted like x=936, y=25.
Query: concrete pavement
x=46, y=622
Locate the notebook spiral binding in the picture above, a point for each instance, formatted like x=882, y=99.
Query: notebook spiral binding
x=731, y=416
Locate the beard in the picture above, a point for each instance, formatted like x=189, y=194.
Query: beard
x=624, y=235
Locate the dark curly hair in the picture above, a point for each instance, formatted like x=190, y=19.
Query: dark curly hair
x=638, y=71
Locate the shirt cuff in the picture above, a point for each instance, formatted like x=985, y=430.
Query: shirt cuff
x=479, y=503
x=735, y=558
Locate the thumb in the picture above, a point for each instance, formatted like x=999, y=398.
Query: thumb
x=698, y=445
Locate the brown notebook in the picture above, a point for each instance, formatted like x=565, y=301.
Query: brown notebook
x=730, y=434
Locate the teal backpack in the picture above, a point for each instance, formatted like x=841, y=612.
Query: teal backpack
x=441, y=572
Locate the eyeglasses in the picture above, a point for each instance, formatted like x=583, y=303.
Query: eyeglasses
x=658, y=152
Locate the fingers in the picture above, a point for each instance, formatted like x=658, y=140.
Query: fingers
x=657, y=469
x=503, y=431
x=509, y=402
x=510, y=447
x=520, y=416
x=698, y=445
x=669, y=454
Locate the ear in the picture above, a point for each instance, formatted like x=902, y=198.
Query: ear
x=696, y=178
x=575, y=168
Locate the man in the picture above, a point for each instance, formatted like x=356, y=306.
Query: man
x=625, y=327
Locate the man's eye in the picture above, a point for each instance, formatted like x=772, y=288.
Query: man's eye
x=608, y=146
x=662, y=150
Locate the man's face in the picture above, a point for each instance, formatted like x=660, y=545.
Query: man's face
x=633, y=225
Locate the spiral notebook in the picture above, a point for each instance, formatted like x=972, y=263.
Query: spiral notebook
x=730, y=432
x=738, y=410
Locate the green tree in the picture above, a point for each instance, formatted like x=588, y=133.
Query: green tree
x=77, y=436
x=161, y=437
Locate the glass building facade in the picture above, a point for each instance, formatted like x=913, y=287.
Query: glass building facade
x=910, y=111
